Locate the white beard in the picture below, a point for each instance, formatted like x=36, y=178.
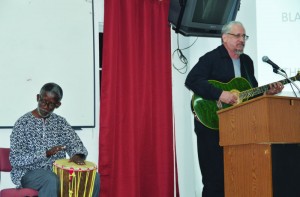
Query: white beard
x=239, y=52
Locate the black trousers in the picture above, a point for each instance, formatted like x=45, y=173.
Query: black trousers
x=210, y=155
x=286, y=170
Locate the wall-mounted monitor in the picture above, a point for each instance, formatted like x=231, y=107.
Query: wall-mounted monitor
x=202, y=17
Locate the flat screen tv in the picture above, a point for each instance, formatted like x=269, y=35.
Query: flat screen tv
x=201, y=18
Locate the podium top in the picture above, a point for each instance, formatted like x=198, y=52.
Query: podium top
x=265, y=119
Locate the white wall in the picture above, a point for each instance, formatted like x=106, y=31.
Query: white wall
x=89, y=136
x=190, y=183
x=38, y=41
x=278, y=33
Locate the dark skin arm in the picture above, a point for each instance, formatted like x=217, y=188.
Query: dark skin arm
x=54, y=150
x=78, y=158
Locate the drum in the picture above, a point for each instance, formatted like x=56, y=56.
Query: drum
x=75, y=180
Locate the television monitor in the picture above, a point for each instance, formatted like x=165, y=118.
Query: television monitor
x=201, y=18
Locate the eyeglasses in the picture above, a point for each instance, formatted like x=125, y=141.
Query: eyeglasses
x=49, y=104
x=237, y=36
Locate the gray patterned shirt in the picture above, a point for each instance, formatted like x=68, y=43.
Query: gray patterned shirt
x=32, y=136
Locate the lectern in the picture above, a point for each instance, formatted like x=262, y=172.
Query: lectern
x=261, y=153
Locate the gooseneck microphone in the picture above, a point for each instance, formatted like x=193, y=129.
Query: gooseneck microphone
x=275, y=67
x=278, y=70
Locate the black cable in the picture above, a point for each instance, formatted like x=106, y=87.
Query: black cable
x=182, y=57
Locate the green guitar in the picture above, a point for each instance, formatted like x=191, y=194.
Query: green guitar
x=206, y=110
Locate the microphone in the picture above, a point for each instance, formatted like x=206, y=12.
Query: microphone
x=278, y=70
x=275, y=67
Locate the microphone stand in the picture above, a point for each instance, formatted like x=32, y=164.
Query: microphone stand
x=277, y=71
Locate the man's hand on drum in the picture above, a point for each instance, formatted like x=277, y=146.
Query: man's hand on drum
x=78, y=159
x=54, y=150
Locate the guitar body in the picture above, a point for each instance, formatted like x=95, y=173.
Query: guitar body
x=206, y=110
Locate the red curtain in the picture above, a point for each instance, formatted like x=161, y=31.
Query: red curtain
x=136, y=156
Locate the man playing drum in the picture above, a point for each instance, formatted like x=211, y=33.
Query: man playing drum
x=41, y=137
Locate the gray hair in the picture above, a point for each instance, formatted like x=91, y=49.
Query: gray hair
x=227, y=27
x=52, y=88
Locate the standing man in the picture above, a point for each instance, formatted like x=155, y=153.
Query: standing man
x=223, y=64
x=41, y=137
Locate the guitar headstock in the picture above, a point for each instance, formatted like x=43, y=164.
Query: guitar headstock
x=298, y=76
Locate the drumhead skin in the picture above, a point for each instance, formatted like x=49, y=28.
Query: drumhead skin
x=65, y=164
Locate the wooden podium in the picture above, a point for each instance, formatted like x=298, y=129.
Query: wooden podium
x=247, y=134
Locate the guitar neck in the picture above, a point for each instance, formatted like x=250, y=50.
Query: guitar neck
x=259, y=90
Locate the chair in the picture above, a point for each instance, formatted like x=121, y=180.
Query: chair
x=6, y=167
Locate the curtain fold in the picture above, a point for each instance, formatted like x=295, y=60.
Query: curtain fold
x=136, y=156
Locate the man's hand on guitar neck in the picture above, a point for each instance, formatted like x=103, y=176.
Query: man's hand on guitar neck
x=228, y=97
x=275, y=88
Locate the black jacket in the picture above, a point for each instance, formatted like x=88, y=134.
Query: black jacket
x=217, y=65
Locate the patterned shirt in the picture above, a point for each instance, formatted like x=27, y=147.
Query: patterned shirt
x=32, y=136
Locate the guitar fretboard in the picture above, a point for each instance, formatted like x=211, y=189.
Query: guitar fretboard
x=259, y=90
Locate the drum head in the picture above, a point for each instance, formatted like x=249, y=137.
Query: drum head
x=66, y=164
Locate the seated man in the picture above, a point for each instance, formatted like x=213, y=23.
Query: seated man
x=41, y=137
